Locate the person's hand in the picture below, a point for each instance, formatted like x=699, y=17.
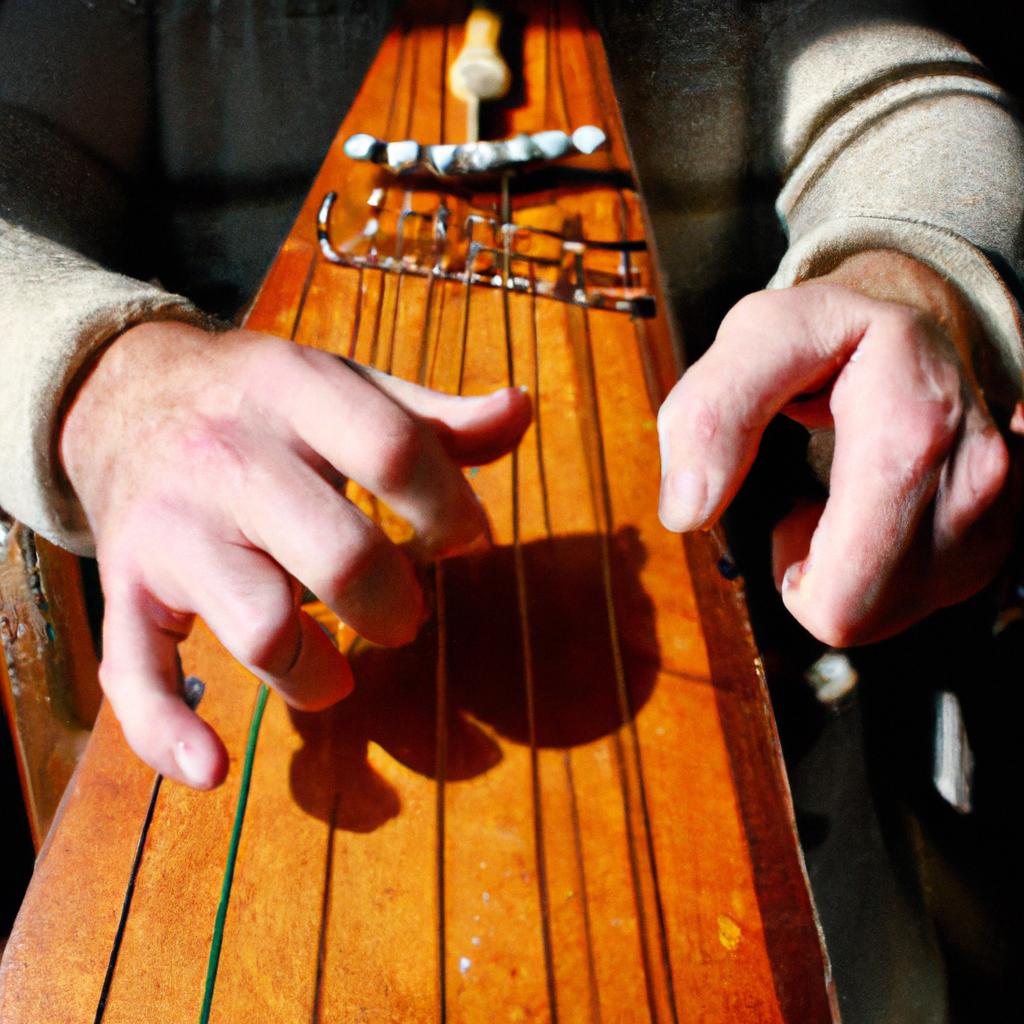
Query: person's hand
x=919, y=512
x=210, y=469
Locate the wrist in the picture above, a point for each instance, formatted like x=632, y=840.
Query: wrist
x=892, y=276
x=103, y=410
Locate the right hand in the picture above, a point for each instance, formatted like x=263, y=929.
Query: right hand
x=923, y=494
x=210, y=468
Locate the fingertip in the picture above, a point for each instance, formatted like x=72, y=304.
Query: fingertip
x=811, y=589
x=1017, y=419
x=520, y=406
x=827, y=610
x=684, y=499
x=384, y=601
x=814, y=614
x=173, y=740
x=515, y=412
x=791, y=544
x=201, y=758
x=478, y=544
x=791, y=576
x=321, y=675
x=482, y=428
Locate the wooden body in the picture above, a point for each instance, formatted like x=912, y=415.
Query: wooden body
x=565, y=801
x=48, y=678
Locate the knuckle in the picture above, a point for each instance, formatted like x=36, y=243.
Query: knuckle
x=990, y=468
x=212, y=443
x=275, y=372
x=399, y=456
x=928, y=432
x=266, y=636
x=274, y=359
x=747, y=313
x=696, y=418
x=350, y=560
x=704, y=420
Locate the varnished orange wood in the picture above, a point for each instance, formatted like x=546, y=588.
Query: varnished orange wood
x=606, y=833
x=48, y=680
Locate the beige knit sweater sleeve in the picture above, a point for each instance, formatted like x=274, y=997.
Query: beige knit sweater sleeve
x=57, y=310
x=894, y=137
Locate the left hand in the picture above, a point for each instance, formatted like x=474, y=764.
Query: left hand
x=919, y=513
x=211, y=469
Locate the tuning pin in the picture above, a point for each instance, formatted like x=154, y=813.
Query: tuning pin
x=362, y=146
x=551, y=144
x=475, y=157
x=518, y=149
x=442, y=158
x=402, y=156
x=588, y=138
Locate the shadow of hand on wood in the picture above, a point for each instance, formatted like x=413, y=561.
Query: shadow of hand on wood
x=581, y=689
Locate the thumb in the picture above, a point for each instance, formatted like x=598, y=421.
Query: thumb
x=771, y=347
x=140, y=675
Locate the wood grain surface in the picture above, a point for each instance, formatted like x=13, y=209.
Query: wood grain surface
x=565, y=800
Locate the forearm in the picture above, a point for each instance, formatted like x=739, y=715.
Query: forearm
x=57, y=310
x=896, y=140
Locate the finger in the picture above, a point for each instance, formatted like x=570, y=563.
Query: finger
x=791, y=538
x=369, y=438
x=140, y=676
x=320, y=538
x=473, y=429
x=251, y=605
x=961, y=570
x=975, y=476
x=972, y=523
x=1017, y=419
x=925, y=579
x=898, y=411
x=771, y=347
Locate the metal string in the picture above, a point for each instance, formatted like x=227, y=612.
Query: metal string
x=441, y=671
x=603, y=513
x=326, y=902
x=524, y=628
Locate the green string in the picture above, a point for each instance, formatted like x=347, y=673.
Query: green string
x=229, y=867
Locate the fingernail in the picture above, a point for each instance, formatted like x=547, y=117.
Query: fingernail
x=479, y=544
x=683, y=498
x=191, y=764
x=793, y=576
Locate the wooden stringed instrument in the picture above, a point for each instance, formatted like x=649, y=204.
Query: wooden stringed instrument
x=565, y=801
